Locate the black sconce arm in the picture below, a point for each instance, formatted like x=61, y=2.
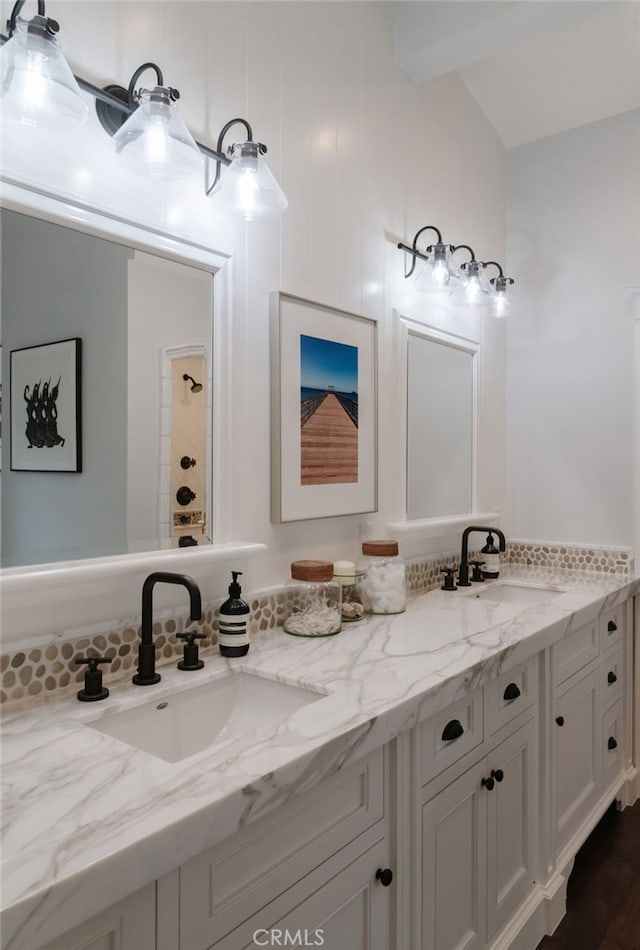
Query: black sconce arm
x=219, y=146
x=413, y=249
x=500, y=282
x=51, y=26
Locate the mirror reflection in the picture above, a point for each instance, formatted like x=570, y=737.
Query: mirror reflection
x=440, y=427
x=143, y=404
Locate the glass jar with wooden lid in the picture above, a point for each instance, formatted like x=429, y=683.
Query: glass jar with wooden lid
x=312, y=600
x=385, y=579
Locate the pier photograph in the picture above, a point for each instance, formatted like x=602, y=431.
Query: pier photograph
x=328, y=412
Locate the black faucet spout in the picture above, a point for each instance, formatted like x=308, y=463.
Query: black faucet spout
x=463, y=579
x=146, y=675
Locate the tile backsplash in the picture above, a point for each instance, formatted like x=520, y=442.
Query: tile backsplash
x=29, y=674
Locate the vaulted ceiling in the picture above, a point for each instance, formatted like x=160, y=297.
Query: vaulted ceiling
x=535, y=67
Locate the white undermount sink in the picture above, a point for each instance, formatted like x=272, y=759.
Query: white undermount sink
x=505, y=592
x=228, y=708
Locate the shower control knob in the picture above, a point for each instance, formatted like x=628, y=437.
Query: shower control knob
x=184, y=495
x=186, y=462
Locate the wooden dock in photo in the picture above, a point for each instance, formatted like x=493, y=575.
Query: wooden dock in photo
x=329, y=445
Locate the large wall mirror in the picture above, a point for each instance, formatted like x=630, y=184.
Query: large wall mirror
x=145, y=323
x=441, y=424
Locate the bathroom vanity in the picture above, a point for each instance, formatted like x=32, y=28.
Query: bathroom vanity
x=432, y=794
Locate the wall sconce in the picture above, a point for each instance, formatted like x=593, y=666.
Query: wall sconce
x=500, y=284
x=473, y=289
x=38, y=88
x=466, y=284
x=436, y=263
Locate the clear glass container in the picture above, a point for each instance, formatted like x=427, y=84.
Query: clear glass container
x=385, y=580
x=352, y=585
x=312, y=600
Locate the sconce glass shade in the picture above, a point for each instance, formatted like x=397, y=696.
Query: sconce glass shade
x=473, y=290
x=439, y=274
x=500, y=296
x=247, y=186
x=154, y=142
x=37, y=87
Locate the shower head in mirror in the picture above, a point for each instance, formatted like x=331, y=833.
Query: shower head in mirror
x=195, y=387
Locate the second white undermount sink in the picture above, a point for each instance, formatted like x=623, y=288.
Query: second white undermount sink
x=231, y=707
x=505, y=592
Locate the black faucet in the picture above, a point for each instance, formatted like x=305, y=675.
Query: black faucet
x=146, y=675
x=463, y=574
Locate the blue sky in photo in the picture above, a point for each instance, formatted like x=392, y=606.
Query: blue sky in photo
x=326, y=363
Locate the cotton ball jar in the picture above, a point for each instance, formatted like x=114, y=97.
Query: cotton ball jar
x=385, y=577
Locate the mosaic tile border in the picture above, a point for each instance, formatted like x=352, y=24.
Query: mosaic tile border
x=29, y=675
x=571, y=557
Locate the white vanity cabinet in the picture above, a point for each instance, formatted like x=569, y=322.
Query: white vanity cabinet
x=128, y=925
x=479, y=818
x=587, y=726
x=310, y=864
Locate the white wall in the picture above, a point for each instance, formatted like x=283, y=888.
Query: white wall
x=365, y=157
x=574, y=243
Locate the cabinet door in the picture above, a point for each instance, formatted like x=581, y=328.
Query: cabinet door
x=576, y=756
x=350, y=911
x=128, y=925
x=454, y=854
x=512, y=806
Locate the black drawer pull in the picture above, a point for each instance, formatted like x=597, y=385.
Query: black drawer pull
x=384, y=876
x=611, y=677
x=488, y=783
x=452, y=730
x=497, y=774
x=511, y=692
x=612, y=626
x=560, y=720
x=612, y=744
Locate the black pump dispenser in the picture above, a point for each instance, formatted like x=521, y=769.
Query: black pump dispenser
x=233, y=638
x=491, y=558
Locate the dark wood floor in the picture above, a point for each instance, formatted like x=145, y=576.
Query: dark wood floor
x=603, y=894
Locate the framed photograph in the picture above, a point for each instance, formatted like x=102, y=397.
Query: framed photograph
x=324, y=436
x=45, y=409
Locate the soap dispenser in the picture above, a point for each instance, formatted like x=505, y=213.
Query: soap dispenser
x=491, y=558
x=233, y=638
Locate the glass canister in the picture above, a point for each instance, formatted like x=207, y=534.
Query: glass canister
x=385, y=581
x=351, y=582
x=312, y=600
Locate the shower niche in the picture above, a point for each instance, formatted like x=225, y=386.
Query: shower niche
x=186, y=502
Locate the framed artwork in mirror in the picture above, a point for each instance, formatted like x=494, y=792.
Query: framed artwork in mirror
x=324, y=410
x=45, y=410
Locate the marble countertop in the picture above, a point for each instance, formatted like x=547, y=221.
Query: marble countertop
x=87, y=819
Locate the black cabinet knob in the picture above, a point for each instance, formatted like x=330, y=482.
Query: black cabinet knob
x=612, y=744
x=497, y=774
x=385, y=876
x=612, y=626
x=184, y=495
x=560, y=720
x=452, y=730
x=488, y=783
x=511, y=692
x=186, y=462
x=611, y=677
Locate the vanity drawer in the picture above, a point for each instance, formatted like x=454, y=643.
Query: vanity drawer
x=450, y=734
x=575, y=651
x=611, y=676
x=258, y=863
x=510, y=694
x=612, y=627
